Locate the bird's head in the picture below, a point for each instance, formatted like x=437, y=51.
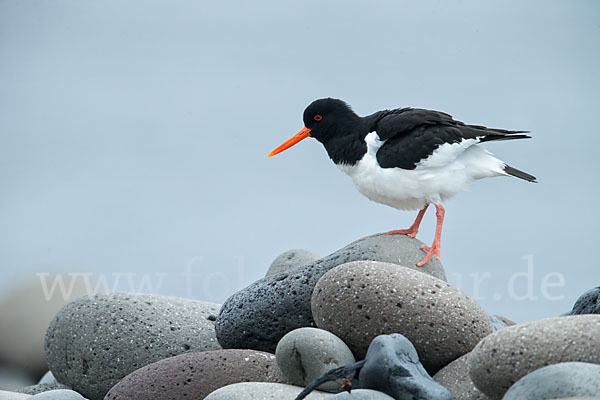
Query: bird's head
x=324, y=119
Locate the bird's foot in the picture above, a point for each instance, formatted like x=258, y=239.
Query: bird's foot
x=431, y=251
x=411, y=232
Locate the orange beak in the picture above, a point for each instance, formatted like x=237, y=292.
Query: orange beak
x=303, y=134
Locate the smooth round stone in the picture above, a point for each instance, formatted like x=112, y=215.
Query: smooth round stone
x=290, y=260
x=93, y=342
x=504, y=357
x=195, y=375
x=455, y=377
x=263, y=391
x=587, y=303
x=305, y=354
x=6, y=395
x=258, y=316
x=362, y=394
x=41, y=387
x=570, y=379
x=60, y=394
x=25, y=314
x=360, y=300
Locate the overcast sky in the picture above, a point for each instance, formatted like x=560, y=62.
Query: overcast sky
x=134, y=134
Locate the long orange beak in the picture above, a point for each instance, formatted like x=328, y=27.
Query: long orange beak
x=303, y=134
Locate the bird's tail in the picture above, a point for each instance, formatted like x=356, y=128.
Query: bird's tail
x=519, y=174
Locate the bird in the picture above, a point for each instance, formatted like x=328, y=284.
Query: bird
x=406, y=158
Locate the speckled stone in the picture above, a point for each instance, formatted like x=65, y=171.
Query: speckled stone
x=263, y=391
x=571, y=379
x=195, y=375
x=59, y=394
x=587, y=303
x=258, y=316
x=504, y=357
x=305, y=354
x=291, y=259
x=93, y=342
x=455, y=377
x=362, y=394
x=360, y=300
x=41, y=388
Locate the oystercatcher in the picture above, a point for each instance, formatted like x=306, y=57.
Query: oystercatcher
x=406, y=158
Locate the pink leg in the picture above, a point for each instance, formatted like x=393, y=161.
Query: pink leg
x=435, y=247
x=414, y=228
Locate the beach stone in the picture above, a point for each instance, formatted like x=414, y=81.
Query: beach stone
x=291, y=259
x=25, y=313
x=7, y=395
x=362, y=394
x=587, y=303
x=47, y=378
x=195, y=375
x=497, y=323
x=507, y=321
x=455, y=377
x=258, y=316
x=505, y=356
x=263, y=391
x=392, y=366
x=41, y=388
x=60, y=394
x=360, y=300
x=93, y=342
x=305, y=354
x=570, y=379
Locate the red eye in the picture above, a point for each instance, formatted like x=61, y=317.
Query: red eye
x=318, y=117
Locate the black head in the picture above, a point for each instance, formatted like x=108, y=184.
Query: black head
x=329, y=118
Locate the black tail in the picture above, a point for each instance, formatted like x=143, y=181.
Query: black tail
x=519, y=174
x=509, y=136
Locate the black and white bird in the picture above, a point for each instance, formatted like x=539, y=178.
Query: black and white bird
x=406, y=158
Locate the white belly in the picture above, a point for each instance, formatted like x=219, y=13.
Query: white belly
x=449, y=170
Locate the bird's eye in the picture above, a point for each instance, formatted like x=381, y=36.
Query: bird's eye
x=318, y=117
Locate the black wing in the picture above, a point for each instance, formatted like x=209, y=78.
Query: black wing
x=412, y=135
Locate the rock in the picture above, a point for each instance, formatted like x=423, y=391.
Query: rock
x=41, y=388
x=570, y=379
x=47, y=378
x=263, y=391
x=507, y=321
x=12, y=378
x=497, y=323
x=305, y=354
x=259, y=315
x=290, y=260
x=587, y=303
x=359, y=300
x=195, y=375
x=93, y=342
x=455, y=377
x=362, y=394
x=6, y=395
x=392, y=366
x=60, y=394
x=24, y=316
x=505, y=356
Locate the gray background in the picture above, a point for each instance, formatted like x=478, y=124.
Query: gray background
x=133, y=137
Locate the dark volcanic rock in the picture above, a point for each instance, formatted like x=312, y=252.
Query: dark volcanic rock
x=195, y=375
x=587, y=303
x=259, y=315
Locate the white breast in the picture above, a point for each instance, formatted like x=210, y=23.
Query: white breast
x=449, y=170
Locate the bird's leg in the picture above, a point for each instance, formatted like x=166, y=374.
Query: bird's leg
x=435, y=247
x=414, y=228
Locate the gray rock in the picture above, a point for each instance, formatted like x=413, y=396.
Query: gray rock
x=47, y=378
x=497, y=323
x=587, y=303
x=363, y=394
x=41, y=388
x=290, y=260
x=6, y=395
x=195, y=375
x=305, y=354
x=263, y=391
x=507, y=321
x=570, y=379
x=259, y=315
x=392, y=366
x=505, y=356
x=60, y=394
x=359, y=300
x=455, y=377
x=93, y=342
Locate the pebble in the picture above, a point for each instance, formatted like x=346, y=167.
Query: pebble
x=359, y=300
x=392, y=366
x=41, y=387
x=258, y=316
x=7, y=395
x=570, y=379
x=497, y=323
x=263, y=391
x=305, y=354
x=455, y=377
x=505, y=356
x=362, y=394
x=60, y=394
x=47, y=378
x=290, y=260
x=93, y=342
x=587, y=303
x=195, y=375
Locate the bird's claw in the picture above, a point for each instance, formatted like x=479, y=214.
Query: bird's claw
x=431, y=251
